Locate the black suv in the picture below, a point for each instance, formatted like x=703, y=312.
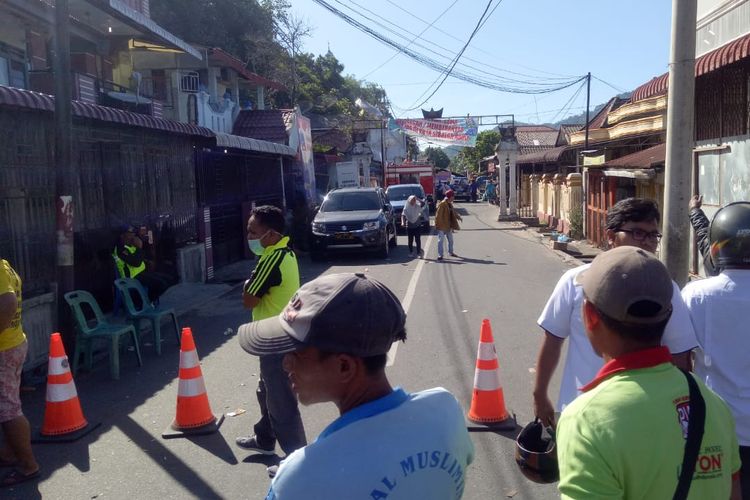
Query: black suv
x=354, y=218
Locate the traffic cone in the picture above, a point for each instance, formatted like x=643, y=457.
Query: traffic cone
x=194, y=414
x=63, y=418
x=488, y=402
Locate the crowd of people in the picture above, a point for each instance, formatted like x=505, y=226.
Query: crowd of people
x=654, y=400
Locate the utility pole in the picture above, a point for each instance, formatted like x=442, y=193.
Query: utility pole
x=680, y=140
x=588, y=103
x=64, y=172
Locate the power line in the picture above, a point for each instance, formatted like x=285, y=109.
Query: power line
x=400, y=33
x=479, y=49
x=413, y=39
x=609, y=85
x=529, y=88
x=480, y=23
x=569, y=102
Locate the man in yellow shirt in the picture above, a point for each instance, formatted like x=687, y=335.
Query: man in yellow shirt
x=16, y=451
x=273, y=282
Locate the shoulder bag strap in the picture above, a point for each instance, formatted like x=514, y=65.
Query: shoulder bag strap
x=696, y=426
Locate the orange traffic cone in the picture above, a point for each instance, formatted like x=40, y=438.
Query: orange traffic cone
x=63, y=417
x=193, y=410
x=488, y=402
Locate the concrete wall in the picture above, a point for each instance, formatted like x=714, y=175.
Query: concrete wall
x=39, y=317
x=191, y=263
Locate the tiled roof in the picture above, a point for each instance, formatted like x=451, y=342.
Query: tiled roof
x=600, y=119
x=10, y=96
x=550, y=155
x=646, y=158
x=536, y=136
x=563, y=137
x=654, y=87
x=232, y=62
x=264, y=124
x=730, y=53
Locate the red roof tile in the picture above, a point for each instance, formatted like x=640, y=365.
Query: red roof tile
x=10, y=96
x=264, y=124
x=646, y=158
x=654, y=87
x=726, y=54
x=232, y=62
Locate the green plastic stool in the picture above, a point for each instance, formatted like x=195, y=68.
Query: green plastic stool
x=97, y=327
x=127, y=287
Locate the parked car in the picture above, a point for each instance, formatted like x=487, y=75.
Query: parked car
x=398, y=195
x=354, y=219
x=460, y=187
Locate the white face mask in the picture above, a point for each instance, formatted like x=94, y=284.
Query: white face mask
x=256, y=246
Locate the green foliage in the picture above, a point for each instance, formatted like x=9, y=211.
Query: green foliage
x=468, y=158
x=269, y=39
x=438, y=157
x=244, y=28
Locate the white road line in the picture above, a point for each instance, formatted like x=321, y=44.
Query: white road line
x=410, y=291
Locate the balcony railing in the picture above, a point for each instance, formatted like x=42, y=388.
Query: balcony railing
x=87, y=88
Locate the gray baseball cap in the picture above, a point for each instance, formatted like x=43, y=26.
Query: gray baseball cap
x=347, y=313
x=621, y=277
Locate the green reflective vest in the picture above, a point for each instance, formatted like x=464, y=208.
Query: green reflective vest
x=125, y=270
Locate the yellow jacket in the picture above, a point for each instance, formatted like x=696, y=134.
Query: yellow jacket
x=446, y=218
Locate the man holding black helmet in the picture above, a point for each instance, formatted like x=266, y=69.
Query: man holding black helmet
x=717, y=306
x=641, y=428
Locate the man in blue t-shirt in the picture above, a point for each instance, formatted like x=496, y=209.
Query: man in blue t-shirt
x=336, y=332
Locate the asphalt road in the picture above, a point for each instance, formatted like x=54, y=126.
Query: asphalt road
x=502, y=274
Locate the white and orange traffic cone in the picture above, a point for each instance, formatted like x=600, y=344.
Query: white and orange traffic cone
x=194, y=414
x=63, y=417
x=487, y=401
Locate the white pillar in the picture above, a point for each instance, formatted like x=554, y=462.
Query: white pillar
x=513, y=202
x=503, y=188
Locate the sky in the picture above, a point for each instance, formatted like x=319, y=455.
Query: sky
x=623, y=43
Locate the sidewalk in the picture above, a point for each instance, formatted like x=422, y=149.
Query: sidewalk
x=578, y=252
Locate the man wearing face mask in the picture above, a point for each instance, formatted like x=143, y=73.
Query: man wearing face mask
x=273, y=282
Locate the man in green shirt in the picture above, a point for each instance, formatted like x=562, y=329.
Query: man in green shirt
x=624, y=437
x=270, y=287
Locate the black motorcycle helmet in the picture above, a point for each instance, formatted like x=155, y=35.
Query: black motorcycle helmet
x=730, y=236
x=536, y=453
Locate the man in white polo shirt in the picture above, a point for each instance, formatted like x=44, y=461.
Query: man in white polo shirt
x=717, y=309
x=633, y=222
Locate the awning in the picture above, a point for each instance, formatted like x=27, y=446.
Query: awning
x=249, y=144
x=551, y=155
x=646, y=158
x=729, y=53
x=640, y=174
x=20, y=98
x=116, y=18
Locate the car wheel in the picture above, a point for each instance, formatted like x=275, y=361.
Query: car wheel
x=385, y=250
x=316, y=255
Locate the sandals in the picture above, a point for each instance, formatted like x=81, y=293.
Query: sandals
x=15, y=477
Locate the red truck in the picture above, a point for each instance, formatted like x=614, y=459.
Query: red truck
x=413, y=173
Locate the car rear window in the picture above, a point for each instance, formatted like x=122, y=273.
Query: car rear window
x=401, y=193
x=349, y=202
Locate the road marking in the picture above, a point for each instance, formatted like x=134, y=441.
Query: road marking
x=410, y=291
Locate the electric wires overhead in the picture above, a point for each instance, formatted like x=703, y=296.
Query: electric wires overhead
x=484, y=79
x=480, y=23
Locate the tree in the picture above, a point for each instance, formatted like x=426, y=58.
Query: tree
x=291, y=32
x=468, y=158
x=244, y=28
x=438, y=157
